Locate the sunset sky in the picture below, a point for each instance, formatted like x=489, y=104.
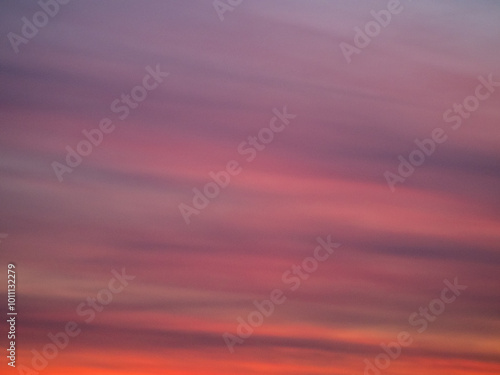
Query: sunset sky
x=205, y=78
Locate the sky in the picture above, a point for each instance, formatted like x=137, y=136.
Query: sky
x=251, y=187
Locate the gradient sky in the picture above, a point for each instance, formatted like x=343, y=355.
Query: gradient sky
x=323, y=175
